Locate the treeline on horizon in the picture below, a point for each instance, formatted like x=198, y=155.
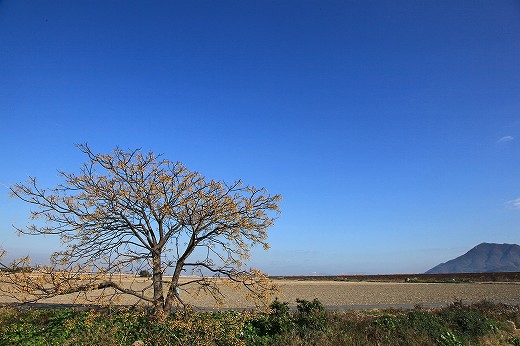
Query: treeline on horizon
x=458, y=277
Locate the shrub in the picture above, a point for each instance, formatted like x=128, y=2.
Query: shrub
x=145, y=274
x=262, y=329
x=309, y=321
x=310, y=317
x=306, y=307
x=427, y=322
x=468, y=322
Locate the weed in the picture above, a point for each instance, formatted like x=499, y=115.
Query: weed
x=449, y=339
x=514, y=340
x=310, y=324
x=386, y=322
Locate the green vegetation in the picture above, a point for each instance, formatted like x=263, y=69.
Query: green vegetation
x=514, y=340
x=310, y=324
x=145, y=274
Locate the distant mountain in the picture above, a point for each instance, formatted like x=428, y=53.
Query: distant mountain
x=483, y=258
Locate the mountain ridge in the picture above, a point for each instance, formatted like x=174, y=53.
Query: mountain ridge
x=483, y=258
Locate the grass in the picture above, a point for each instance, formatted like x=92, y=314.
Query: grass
x=458, y=324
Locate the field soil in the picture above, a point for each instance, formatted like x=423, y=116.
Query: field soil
x=368, y=295
x=340, y=294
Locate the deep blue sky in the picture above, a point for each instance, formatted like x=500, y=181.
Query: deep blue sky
x=391, y=128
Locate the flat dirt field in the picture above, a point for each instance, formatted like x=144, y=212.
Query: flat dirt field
x=347, y=295
x=369, y=295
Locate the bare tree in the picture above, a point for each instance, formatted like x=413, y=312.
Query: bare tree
x=128, y=211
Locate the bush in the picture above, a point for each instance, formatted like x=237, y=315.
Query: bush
x=468, y=322
x=145, y=274
x=264, y=328
x=427, y=322
x=310, y=319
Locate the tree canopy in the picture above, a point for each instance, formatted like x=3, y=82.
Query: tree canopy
x=128, y=211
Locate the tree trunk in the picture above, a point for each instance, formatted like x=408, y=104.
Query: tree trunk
x=158, y=297
x=174, y=284
x=172, y=292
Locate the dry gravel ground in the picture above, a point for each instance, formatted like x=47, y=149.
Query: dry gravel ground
x=350, y=295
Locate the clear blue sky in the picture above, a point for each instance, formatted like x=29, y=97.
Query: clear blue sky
x=391, y=128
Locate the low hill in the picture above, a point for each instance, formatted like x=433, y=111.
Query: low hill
x=483, y=258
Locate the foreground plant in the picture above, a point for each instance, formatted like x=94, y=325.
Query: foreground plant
x=119, y=327
x=477, y=324
x=128, y=211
